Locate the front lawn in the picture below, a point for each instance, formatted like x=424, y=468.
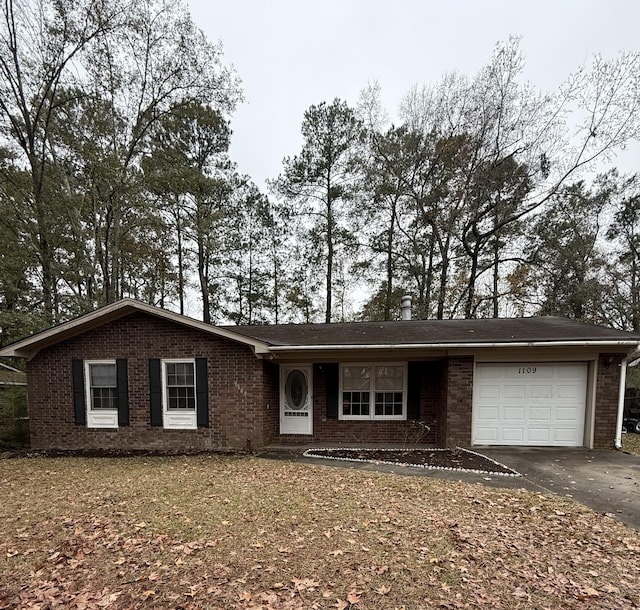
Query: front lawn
x=225, y=532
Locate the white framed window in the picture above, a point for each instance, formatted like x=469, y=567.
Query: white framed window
x=101, y=385
x=179, y=394
x=373, y=391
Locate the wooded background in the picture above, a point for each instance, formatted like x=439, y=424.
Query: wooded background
x=487, y=198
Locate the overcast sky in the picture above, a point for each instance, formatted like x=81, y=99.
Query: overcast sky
x=294, y=53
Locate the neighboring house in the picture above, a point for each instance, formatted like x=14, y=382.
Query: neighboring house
x=132, y=376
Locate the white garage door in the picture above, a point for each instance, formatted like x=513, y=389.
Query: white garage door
x=530, y=404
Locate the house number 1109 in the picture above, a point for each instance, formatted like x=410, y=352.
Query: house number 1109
x=523, y=370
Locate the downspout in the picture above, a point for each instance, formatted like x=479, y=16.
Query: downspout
x=623, y=382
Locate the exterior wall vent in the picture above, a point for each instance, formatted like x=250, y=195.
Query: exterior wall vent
x=405, y=307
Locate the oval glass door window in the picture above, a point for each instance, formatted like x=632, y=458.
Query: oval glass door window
x=296, y=390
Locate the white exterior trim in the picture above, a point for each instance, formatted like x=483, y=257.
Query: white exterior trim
x=178, y=419
x=98, y=418
x=443, y=346
x=372, y=391
x=29, y=347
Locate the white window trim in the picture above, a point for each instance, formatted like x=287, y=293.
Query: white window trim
x=178, y=419
x=98, y=418
x=372, y=416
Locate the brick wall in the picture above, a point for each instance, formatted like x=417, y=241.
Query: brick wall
x=459, y=396
x=235, y=378
x=607, y=388
x=409, y=432
x=271, y=398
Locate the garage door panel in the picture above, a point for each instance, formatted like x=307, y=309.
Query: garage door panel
x=488, y=413
x=544, y=392
x=572, y=370
x=522, y=371
x=539, y=435
x=514, y=391
x=513, y=414
x=487, y=435
x=512, y=435
x=524, y=403
x=567, y=414
x=570, y=392
x=489, y=392
x=540, y=414
x=566, y=437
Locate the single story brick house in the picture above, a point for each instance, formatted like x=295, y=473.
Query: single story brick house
x=132, y=376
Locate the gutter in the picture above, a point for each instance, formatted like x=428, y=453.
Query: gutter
x=623, y=382
x=409, y=346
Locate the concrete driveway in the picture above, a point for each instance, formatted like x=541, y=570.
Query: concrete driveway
x=605, y=481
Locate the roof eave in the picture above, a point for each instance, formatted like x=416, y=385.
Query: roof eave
x=29, y=347
x=422, y=346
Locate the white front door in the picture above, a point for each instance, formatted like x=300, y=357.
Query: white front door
x=530, y=403
x=296, y=399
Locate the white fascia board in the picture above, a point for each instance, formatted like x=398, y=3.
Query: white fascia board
x=27, y=348
x=409, y=346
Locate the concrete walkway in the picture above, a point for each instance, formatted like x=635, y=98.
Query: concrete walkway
x=605, y=481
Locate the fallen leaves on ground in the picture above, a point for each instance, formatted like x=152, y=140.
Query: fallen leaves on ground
x=631, y=443
x=221, y=532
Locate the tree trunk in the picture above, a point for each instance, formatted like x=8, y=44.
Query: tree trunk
x=180, y=258
x=202, y=267
x=471, y=287
x=444, y=276
x=496, y=276
x=276, y=284
x=329, y=252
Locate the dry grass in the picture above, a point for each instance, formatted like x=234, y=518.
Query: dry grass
x=214, y=532
x=631, y=443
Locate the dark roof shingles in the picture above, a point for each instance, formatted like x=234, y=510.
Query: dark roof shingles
x=433, y=332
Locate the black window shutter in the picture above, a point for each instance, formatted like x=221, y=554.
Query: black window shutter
x=122, y=377
x=202, y=393
x=332, y=378
x=414, y=384
x=155, y=391
x=79, y=405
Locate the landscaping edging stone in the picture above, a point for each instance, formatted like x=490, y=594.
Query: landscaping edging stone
x=416, y=458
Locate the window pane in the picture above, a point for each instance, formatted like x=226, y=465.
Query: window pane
x=103, y=375
x=103, y=386
x=104, y=398
x=181, y=398
x=180, y=390
x=356, y=377
x=388, y=404
x=355, y=403
x=295, y=390
x=180, y=374
x=389, y=378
